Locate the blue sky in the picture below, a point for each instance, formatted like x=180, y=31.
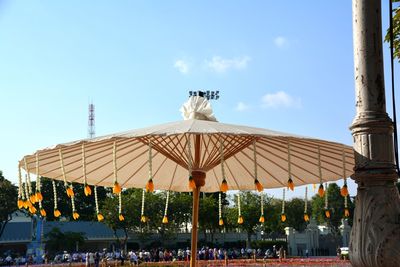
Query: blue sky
x=282, y=65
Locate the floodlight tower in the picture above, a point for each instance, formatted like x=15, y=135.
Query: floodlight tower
x=210, y=95
x=91, y=129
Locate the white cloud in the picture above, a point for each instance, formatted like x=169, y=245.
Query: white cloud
x=182, y=66
x=280, y=99
x=220, y=65
x=281, y=42
x=242, y=106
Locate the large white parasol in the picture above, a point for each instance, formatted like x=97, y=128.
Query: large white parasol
x=198, y=145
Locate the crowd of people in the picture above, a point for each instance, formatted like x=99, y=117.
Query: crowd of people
x=135, y=257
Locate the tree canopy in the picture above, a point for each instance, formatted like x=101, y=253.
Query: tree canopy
x=8, y=200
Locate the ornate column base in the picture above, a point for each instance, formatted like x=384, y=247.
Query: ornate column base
x=375, y=236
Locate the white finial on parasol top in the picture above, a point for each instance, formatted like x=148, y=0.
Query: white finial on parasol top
x=197, y=108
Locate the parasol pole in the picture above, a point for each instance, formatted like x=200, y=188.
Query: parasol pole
x=199, y=178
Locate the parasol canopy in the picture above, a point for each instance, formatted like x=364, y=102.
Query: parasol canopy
x=199, y=143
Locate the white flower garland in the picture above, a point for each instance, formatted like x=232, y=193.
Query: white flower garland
x=238, y=202
x=283, y=200
x=19, y=183
x=143, y=198
x=345, y=202
x=326, y=196
x=55, y=194
x=73, y=201
x=166, y=205
x=119, y=203
x=27, y=194
x=255, y=159
x=37, y=173
x=95, y=200
x=305, y=200
x=28, y=178
x=262, y=203
x=219, y=206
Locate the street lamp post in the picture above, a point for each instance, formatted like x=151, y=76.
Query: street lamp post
x=375, y=236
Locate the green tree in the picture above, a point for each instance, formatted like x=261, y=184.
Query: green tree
x=57, y=241
x=335, y=206
x=396, y=30
x=8, y=200
x=85, y=205
x=250, y=206
x=294, y=210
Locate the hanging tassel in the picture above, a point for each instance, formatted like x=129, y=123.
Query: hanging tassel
x=262, y=219
x=346, y=209
x=75, y=214
x=86, y=188
x=165, y=218
x=283, y=215
x=38, y=194
x=290, y=183
x=20, y=201
x=240, y=218
x=56, y=212
x=327, y=212
x=220, y=221
x=192, y=184
x=150, y=184
x=257, y=183
x=143, y=218
x=344, y=190
x=116, y=187
x=120, y=216
x=321, y=190
x=224, y=184
x=100, y=216
x=68, y=189
x=306, y=217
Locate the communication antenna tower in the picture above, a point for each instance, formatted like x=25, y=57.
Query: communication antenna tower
x=91, y=129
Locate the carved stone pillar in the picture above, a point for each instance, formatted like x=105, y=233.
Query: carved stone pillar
x=375, y=236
